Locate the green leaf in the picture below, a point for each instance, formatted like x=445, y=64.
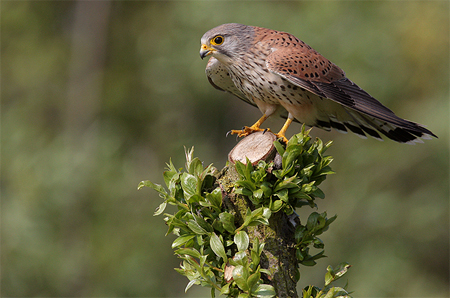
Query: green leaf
x=174, y=185
x=206, y=213
x=191, y=283
x=209, y=170
x=330, y=220
x=218, y=226
x=169, y=174
x=244, y=170
x=202, y=223
x=194, y=198
x=208, y=181
x=334, y=274
x=199, y=240
x=227, y=220
x=240, y=258
x=188, y=251
x=276, y=206
x=342, y=269
x=302, y=196
x=310, y=291
x=189, y=155
x=280, y=149
x=258, y=194
x=283, y=195
x=217, y=247
x=318, y=243
x=266, y=213
x=225, y=290
x=189, y=185
x=248, y=218
x=242, y=240
x=312, y=221
x=310, y=260
x=215, y=197
x=337, y=292
x=160, y=209
x=264, y=291
x=308, y=263
x=240, y=276
x=296, y=275
x=329, y=276
x=286, y=171
x=290, y=182
x=326, y=171
x=319, y=255
x=256, y=247
x=255, y=253
x=174, y=222
x=266, y=188
x=182, y=240
x=195, y=167
x=259, y=216
x=291, y=154
x=255, y=258
x=253, y=279
x=196, y=228
x=243, y=191
x=154, y=186
x=318, y=193
x=248, y=184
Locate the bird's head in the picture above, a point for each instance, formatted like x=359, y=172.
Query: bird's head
x=226, y=41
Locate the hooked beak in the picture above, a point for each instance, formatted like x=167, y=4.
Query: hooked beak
x=205, y=51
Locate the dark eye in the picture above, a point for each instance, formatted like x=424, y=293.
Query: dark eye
x=218, y=40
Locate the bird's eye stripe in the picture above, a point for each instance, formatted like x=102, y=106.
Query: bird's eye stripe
x=218, y=40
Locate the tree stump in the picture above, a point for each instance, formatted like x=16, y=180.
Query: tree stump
x=257, y=146
x=279, y=255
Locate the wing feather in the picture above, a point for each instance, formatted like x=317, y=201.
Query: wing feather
x=313, y=72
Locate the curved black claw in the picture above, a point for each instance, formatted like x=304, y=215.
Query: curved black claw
x=282, y=139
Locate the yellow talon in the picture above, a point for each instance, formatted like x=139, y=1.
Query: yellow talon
x=249, y=130
x=282, y=137
x=282, y=132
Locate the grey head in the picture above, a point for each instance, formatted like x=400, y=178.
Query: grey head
x=227, y=41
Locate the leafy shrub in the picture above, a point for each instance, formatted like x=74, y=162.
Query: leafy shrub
x=214, y=245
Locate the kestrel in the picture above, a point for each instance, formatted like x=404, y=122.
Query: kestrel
x=280, y=74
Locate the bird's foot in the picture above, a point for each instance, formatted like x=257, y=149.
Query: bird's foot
x=246, y=130
x=282, y=137
x=281, y=134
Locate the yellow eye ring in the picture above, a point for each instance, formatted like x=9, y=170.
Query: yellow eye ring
x=217, y=40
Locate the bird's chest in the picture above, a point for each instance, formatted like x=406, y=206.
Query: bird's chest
x=252, y=77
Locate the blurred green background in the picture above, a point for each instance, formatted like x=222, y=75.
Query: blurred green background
x=97, y=96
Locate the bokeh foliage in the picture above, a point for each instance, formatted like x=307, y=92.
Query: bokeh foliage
x=97, y=95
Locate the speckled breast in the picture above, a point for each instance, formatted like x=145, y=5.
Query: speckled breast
x=252, y=77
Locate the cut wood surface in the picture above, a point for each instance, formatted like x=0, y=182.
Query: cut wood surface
x=257, y=146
